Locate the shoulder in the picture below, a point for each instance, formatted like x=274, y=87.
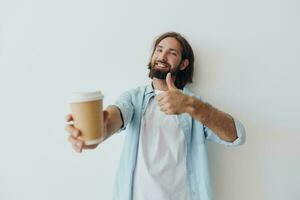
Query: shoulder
x=136, y=90
x=134, y=93
x=186, y=90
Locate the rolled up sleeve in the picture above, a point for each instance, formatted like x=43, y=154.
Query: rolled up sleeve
x=240, y=130
x=124, y=103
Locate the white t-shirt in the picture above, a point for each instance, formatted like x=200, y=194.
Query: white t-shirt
x=160, y=171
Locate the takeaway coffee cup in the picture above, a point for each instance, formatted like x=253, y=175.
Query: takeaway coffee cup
x=87, y=112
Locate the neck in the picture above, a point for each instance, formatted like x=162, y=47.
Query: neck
x=160, y=84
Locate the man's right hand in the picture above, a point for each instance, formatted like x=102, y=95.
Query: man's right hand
x=75, y=134
x=112, y=122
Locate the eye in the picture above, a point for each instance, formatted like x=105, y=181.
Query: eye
x=174, y=54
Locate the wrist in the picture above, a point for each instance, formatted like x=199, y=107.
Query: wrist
x=190, y=105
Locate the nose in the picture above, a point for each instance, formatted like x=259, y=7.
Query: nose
x=163, y=56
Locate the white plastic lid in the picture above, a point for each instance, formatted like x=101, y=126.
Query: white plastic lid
x=85, y=96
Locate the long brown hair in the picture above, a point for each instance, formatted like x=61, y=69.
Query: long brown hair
x=184, y=76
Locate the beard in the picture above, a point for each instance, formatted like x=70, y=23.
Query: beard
x=162, y=73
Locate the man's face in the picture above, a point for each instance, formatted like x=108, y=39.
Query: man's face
x=166, y=58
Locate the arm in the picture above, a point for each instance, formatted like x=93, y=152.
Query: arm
x=112, y=123
x=219, y=122
x=113, y=120
x=175, y=102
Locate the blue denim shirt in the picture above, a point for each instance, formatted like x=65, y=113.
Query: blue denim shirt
x=132, y=105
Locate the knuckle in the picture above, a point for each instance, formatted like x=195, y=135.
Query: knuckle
x=75, y=132
x=68, y=128
x=69, y=117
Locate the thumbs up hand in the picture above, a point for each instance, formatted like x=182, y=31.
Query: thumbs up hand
x=170, y=83
x=173, y=101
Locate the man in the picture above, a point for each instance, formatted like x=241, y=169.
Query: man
x=164, y=155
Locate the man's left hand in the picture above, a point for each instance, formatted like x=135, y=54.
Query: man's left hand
x=173, y=101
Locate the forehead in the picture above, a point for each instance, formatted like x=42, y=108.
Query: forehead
x=170, y=43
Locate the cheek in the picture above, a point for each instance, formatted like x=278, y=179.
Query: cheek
x=152, y=62
x=174, y=62
x=153, y=58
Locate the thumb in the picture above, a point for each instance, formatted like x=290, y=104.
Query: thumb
x=170, y=82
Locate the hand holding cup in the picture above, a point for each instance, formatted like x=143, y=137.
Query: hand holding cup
x=86, y=123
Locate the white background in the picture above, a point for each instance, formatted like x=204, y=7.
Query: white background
x=247, y=64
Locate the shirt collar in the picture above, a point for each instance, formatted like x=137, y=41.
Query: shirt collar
x=149, y=89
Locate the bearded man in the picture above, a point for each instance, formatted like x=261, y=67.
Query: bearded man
x=164, y=155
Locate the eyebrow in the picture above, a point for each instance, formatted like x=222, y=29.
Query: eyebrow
x=171, y=49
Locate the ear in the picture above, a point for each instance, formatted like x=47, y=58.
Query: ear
x=184, y=64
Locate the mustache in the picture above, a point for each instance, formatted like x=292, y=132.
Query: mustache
x=162, y=62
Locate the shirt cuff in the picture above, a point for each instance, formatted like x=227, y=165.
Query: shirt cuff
x=125, y=114
x=241, y=134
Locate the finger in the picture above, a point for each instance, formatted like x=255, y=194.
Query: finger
x=75, y=147
x=73, y=131
x=80, y=145
x=74, y=140
x=163, y=110
x=162, y=107
x=76, y=143
x=161, y=103
x=93, y=146
x=169, y=112
x=160, y=96
x=170, y=82
x=69, y=118
x=166, y=111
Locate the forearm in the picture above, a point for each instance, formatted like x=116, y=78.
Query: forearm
x=114, y=121
x=219, y=122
